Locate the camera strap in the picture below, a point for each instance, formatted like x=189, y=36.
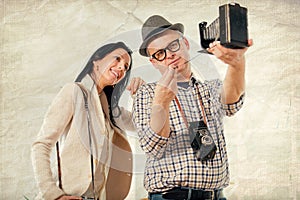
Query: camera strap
x=90, y=144
x=201, y=105
x=90, y=138
x=58, y=166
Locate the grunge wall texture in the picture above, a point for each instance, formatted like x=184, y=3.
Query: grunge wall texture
x=45, y=44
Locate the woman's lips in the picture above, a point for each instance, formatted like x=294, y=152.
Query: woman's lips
x=116, y=74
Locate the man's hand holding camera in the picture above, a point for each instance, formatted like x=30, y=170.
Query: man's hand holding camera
x=234, y=82
x=232, y=57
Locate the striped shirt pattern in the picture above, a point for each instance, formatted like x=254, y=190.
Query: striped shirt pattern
x=171, y=162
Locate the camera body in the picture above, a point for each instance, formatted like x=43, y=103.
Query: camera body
x=202, y=141
x=230, y=28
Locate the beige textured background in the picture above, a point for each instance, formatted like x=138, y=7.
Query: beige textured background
x=44, y=44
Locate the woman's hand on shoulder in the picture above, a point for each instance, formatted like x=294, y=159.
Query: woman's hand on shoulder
x=134, y=85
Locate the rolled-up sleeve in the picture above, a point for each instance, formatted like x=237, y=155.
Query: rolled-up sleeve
x=231, y=109
x=153, y=144
x=215, y=88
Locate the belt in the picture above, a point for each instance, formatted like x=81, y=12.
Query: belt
x=188, y=194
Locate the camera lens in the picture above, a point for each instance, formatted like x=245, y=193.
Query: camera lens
x=206, y=140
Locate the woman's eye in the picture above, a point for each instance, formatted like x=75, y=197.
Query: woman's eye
x=118, y=58
x=126, y=67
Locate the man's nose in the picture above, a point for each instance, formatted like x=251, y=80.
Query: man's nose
x=170, y=54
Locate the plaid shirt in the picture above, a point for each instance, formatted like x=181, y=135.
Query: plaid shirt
x=171, y=161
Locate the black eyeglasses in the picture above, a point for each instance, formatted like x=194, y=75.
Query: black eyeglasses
x=173, y=46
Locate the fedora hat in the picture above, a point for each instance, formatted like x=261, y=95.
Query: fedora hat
x=153, y=26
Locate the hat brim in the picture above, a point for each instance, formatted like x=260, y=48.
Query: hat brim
x=143, y=48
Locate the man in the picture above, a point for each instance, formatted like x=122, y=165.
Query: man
x=183, y=162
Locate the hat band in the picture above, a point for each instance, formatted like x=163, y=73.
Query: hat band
x=155, y=31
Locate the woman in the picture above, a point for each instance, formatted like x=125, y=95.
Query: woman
x=94, y=159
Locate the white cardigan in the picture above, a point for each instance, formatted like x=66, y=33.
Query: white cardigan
x=67, y=117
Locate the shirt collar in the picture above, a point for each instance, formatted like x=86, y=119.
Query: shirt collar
x=191, y=82
x=88, y=82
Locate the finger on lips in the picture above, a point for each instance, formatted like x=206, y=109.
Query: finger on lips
x=167, y=76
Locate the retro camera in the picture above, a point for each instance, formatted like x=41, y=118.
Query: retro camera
x=202, y=141
x=230, y=28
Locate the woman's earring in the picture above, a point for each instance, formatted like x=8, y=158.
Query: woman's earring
x=97, y=67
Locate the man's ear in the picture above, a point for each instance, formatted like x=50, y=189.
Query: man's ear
x=186, y=42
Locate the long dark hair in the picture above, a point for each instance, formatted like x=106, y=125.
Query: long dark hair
x=112, y=92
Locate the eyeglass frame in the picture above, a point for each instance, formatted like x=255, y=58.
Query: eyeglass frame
x=167, y=48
